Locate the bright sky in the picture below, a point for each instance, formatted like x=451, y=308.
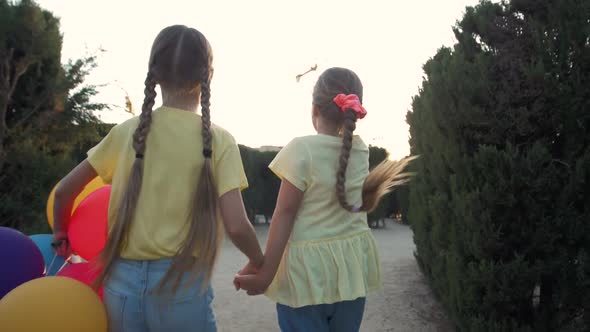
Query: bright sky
x=259, y=47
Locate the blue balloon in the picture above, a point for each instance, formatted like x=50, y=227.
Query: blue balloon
x=20, y=260
x=52, y=261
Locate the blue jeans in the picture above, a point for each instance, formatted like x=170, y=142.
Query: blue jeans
x=133, y=303
x=337, y=317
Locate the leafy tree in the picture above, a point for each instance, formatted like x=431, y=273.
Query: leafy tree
x=30, y=50
x=376, y=156
x=46, y=113
x=500, y=206
x=261, y=195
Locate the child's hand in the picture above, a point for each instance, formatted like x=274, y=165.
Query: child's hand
x=250, y=268
x=254, y=284
x=60, y=244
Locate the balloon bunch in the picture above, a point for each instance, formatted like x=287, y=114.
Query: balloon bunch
x=38, y=288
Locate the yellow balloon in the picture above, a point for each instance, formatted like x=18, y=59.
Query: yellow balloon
x=91, y=187
x=53, y=304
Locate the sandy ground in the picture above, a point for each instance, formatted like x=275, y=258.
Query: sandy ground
x=404, y=304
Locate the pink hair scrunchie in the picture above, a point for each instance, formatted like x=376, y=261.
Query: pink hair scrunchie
x=350, y=102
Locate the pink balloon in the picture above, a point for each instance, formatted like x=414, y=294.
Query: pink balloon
x=83, y=272
x=87, y=230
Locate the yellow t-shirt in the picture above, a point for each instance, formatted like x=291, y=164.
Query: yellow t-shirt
x=172, y=164
x=331, y=255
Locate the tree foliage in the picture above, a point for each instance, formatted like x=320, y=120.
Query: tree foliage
x=500, y=206
x=46, y=113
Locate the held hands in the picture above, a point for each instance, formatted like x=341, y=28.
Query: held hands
x=253, y=279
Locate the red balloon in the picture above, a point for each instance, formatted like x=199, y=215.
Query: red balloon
x=87, y=230
x=83, y=272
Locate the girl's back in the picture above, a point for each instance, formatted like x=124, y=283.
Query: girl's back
x=331, y=255
x=311, y=164
x=171, y=162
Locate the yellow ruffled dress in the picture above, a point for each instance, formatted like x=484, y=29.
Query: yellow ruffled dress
x=331, y=255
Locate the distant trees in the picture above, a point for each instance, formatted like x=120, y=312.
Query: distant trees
x=46, y=112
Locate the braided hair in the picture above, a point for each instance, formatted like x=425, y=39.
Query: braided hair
x=381, y=179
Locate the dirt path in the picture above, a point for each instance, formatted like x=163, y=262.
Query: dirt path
x=405, y=303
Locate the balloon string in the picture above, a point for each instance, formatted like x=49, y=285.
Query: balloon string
x=68, y=261
x=47, y=271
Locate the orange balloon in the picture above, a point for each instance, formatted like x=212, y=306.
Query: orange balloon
x=53, y=304
x=91, y=187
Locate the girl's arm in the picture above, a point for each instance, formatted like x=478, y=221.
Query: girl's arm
x=288, y=203
x=68, y=189
x=238, y=227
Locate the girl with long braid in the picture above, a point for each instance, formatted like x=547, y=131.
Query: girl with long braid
x=321, y=259
x=175, y=177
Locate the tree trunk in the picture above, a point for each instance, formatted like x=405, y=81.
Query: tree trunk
x=10, y=73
